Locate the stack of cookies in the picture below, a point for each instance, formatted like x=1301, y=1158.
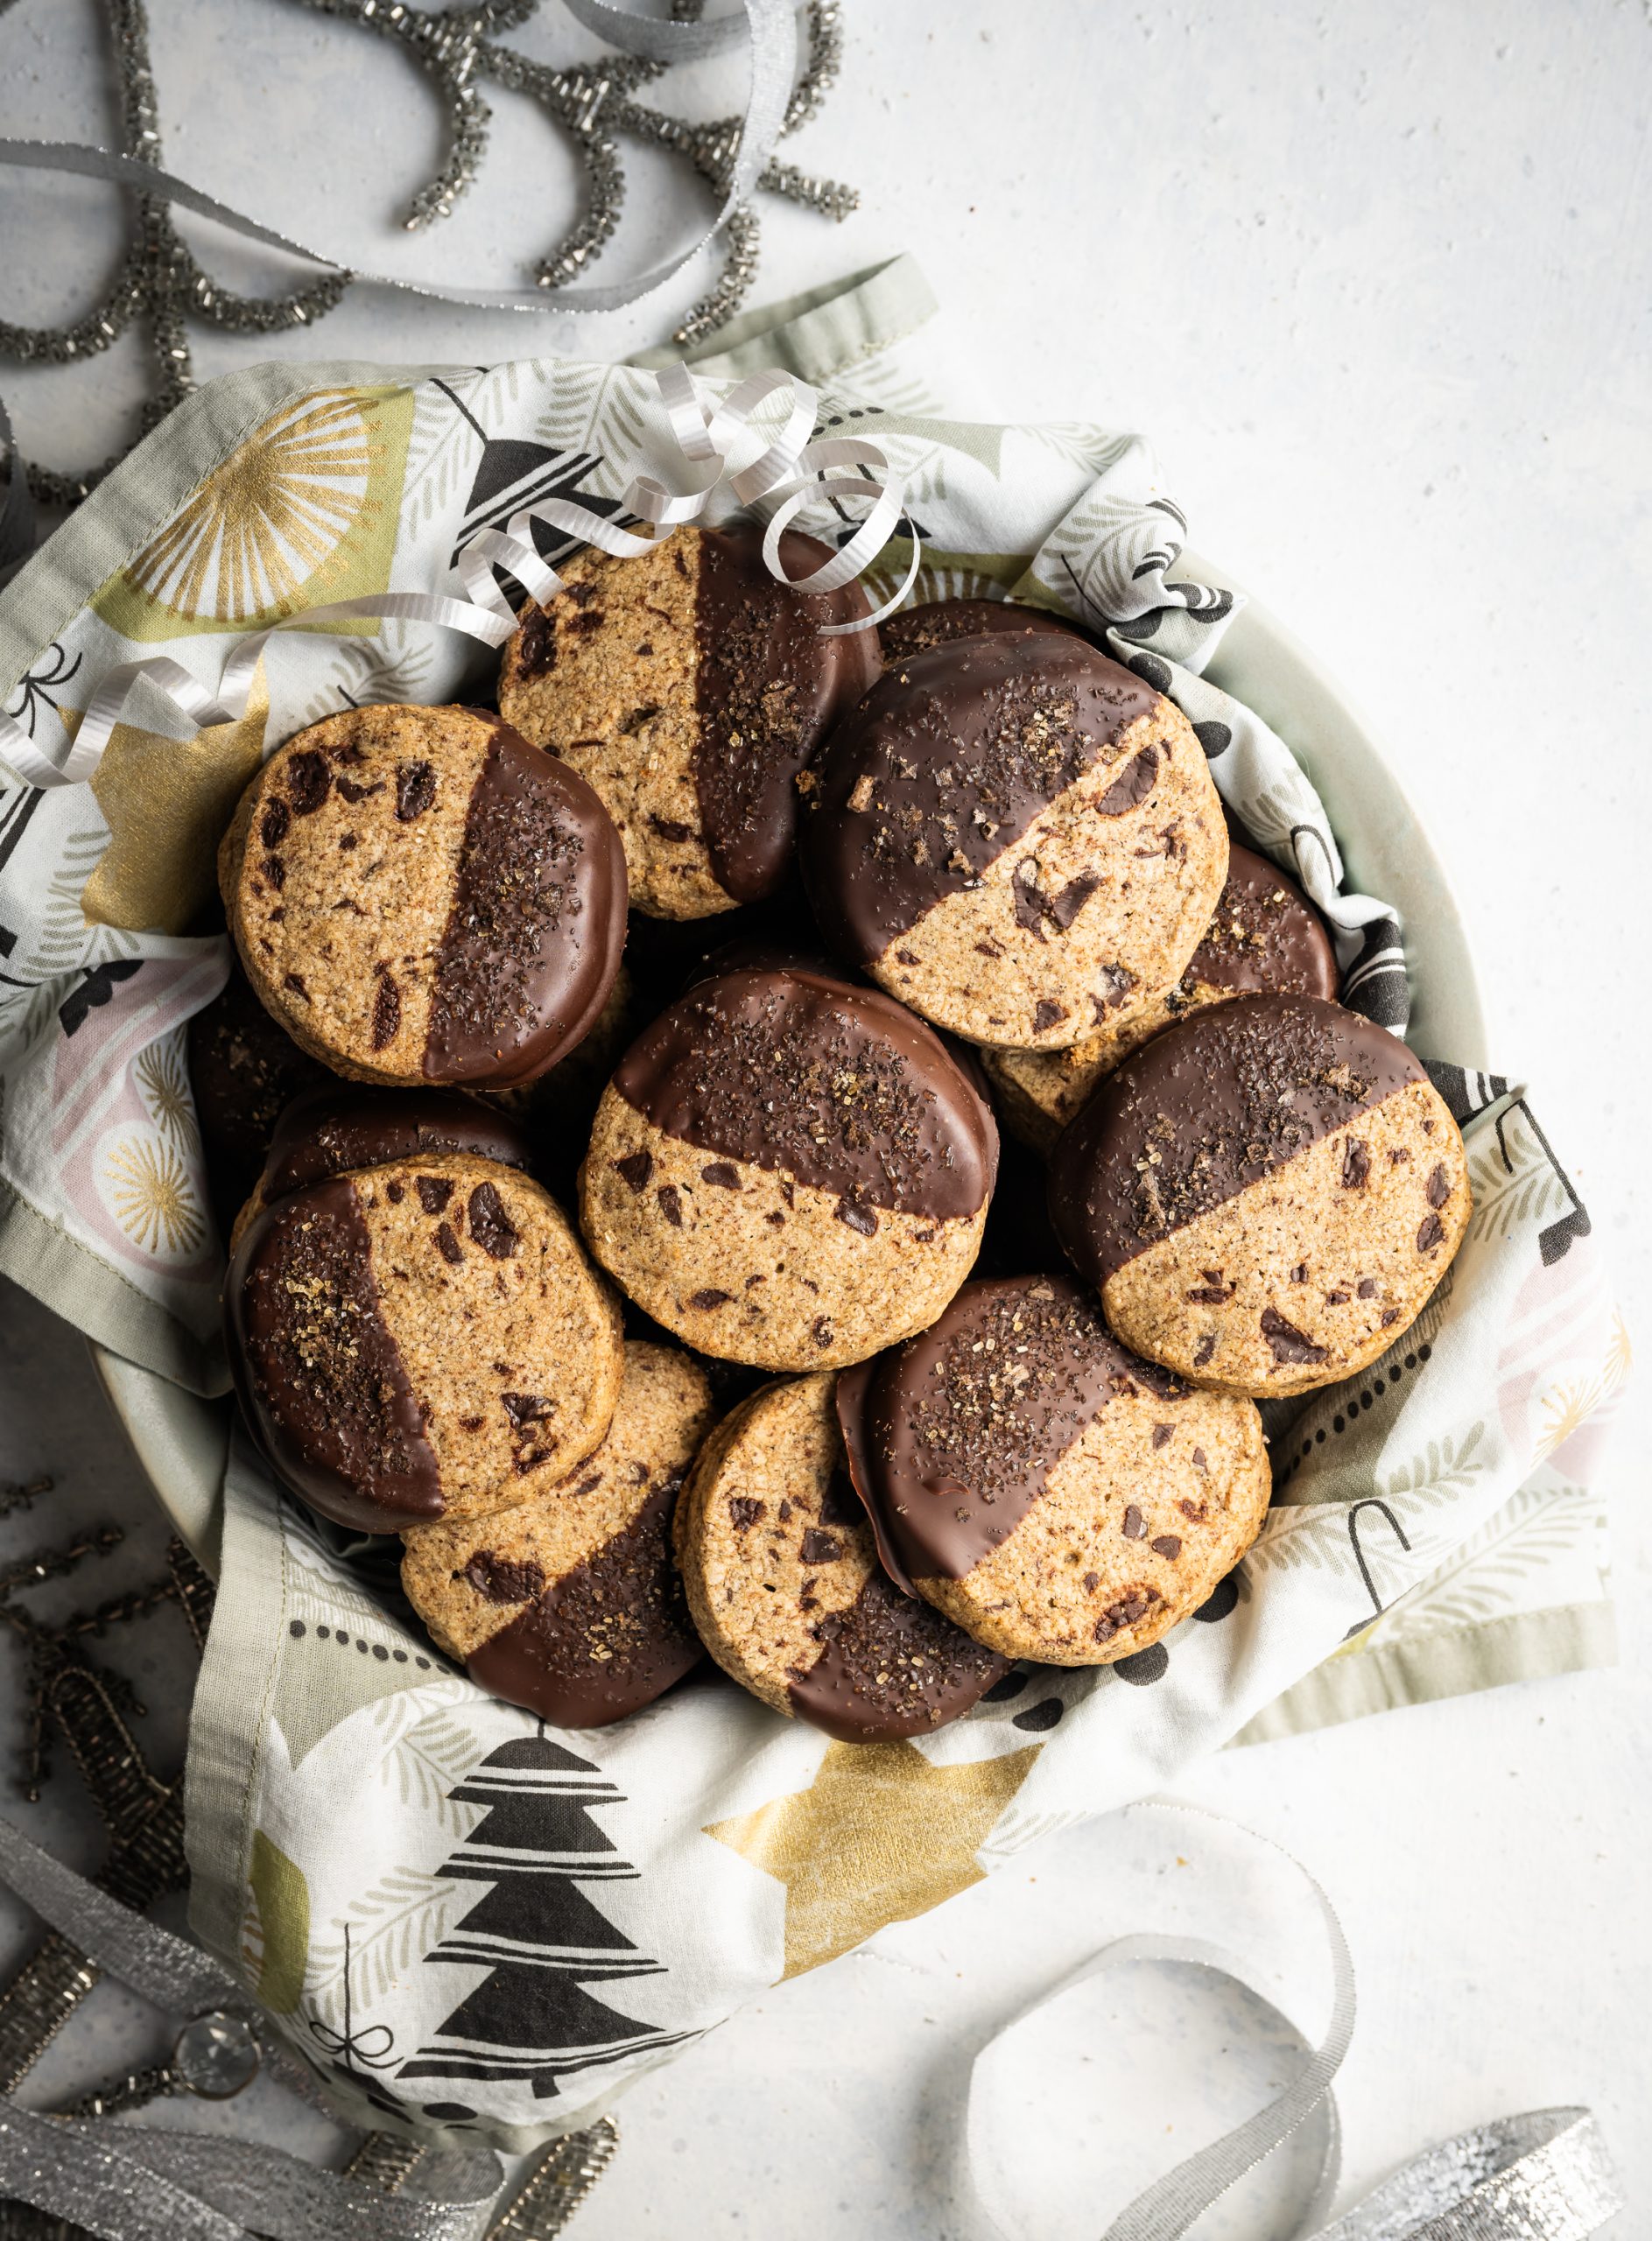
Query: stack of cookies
x=608, y=1106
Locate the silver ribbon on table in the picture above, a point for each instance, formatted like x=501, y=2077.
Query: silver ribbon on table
x=126, y=2183
x=1542, y=2176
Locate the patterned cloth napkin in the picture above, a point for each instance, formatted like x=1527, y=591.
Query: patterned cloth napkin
x=447, y=1903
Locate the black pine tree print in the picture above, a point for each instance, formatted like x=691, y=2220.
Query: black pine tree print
x=530, y=2019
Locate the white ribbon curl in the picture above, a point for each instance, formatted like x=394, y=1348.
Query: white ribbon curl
x=786, y=474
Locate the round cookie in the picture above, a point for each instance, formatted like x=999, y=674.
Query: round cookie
x=786, y=1587
x=245, y=1070
x=788, y=1172
x=569, y=1603
x=692, y=688
x=1265, y=935
x=1265, y=1196
x=1054, y=1496
x=1017, y=837
x=332, y=1130
x=939, y=621
x=420, y=1339
x=420, y=896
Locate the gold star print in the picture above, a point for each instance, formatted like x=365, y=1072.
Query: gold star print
x=881, y=1835
x=167, y=802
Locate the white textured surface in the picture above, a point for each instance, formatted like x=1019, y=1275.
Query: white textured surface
x=1375, y=278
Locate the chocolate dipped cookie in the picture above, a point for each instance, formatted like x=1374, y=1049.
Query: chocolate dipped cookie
x=420, y=896
x=1050, y=1493
x=338, y=1127
x=1017, y=837
x=420, y=1338
x=692, y=688
x=1265, y=935
x=1265, y=1196
x=940, y=622
x=245, y=1070
x=787, y=1171
x=569, y=1603
x=786, y=1590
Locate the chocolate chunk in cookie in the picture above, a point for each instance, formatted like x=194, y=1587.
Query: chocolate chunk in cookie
x=419, y=1339
x=788, y=1171
x=1265, y=935
x=420, y=896
x=692, y=689
x=1265, y=1196
x=786, y=1590
x=1017, y=837
x=1053, y=1495
x=569, y=1603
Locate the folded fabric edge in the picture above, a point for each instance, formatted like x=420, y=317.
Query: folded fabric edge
x=1460, y=1661
x=818, y=333
x=69, y=1278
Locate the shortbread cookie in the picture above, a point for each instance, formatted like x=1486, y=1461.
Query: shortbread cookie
x=1264, y=1197
x=569, y=1603
x=245, y=1070
x=1017, y=837
x=420, y=1339
x=333, y=1130
x=1053, y=1495
x=786, y=1587
x=937, y=622
x=418, y=896
x=692, y=688
x=787, y=1171
x=1265, y=935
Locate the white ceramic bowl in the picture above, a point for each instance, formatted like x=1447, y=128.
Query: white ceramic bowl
x=181, y=1440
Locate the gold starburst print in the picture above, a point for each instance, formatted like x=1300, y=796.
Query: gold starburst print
x=160, y=1077
x=270, y=519
x=152, y=1197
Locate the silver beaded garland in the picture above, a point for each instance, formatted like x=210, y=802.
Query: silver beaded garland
x=160, y=284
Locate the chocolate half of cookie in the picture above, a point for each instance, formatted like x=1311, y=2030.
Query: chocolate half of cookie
x=1265, y=1196
x=569, y=1603
x=692, y=688
x=788, y=1171
x=1265, y=935
x=786, y=1587
x=937, y=622
x=245, y=1070
x=420, y=897
x=1053, y=1495
x=1017, y=837
x=419, y=1340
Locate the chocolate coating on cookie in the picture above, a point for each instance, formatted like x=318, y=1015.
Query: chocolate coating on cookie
x=606, y=1638
x=834, y=1086
x=769, y=688
x=420, y=895
x=332, y=1130
x=245, y=1070
x=1265, y=936
x=537, y=924
x=937, y=622
x=320, y=1378
x=1207, y=1109
x=1052, y=1493
x=955, y=753
x=692, y=687
x=952, y=1436
x=784, y=1583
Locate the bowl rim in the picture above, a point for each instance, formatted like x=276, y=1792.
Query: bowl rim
x=182, y=1440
